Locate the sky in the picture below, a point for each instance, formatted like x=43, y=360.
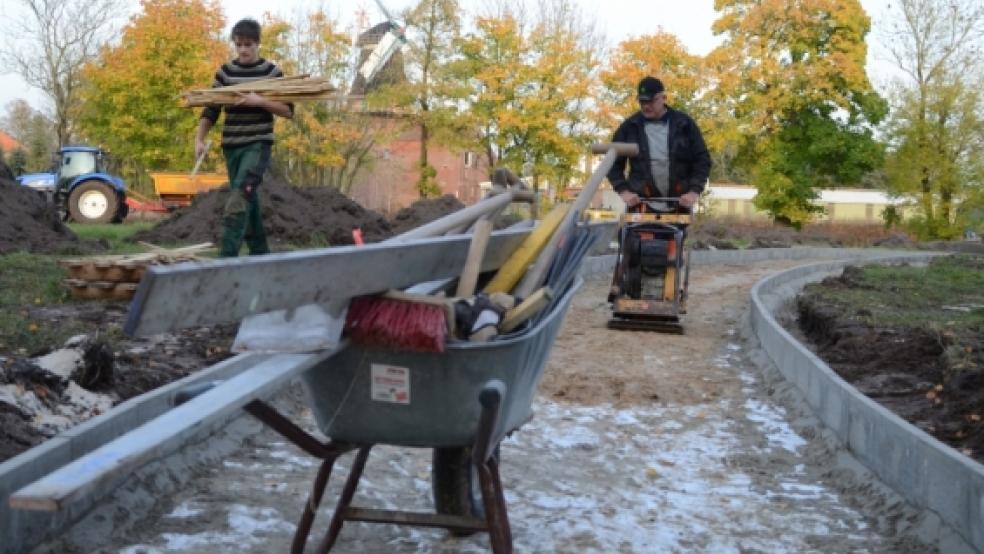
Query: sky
x=690, y=20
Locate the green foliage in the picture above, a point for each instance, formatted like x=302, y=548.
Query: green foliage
x=936, y=149
x=791, y=76
x=427, y=185
x=27, y=281
x=529, y=91
x=130, y=93
x=115, y=235
x=324, y=144
x=788, y=200
x=17, y=161
x=34, y=131
x=917, y=295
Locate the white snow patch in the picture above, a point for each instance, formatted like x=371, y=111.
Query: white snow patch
x=247, y=525
x=185, y=509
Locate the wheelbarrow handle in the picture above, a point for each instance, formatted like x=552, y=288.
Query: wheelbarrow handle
x=493, y=392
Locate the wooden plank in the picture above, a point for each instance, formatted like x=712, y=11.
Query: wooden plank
x=227, y=290
x=108, y=466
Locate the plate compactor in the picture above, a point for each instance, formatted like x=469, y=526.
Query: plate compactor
x=652, y=270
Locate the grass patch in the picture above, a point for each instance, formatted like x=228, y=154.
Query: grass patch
x=947, y=294
x=115, y=234
x=27, y=282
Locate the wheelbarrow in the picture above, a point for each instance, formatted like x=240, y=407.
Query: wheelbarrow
x=461, y=403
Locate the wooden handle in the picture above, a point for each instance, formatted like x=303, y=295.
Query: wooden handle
x=473, y=262
x=526, y=309
x=621, y=148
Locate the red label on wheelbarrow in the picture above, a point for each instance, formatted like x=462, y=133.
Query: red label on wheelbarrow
x=390, y=384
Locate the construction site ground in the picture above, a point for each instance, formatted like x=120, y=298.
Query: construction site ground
x=641, y=442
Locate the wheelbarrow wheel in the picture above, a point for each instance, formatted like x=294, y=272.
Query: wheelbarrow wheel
x=454, y=481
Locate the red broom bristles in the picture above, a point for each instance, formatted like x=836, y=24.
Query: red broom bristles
x=396, y=324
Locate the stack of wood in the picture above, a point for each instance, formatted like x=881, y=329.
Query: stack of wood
x=116, y=277
x=294, y=89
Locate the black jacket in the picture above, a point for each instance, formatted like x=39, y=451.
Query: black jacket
x=690, y=163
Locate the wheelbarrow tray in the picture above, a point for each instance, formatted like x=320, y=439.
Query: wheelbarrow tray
x=440, y=408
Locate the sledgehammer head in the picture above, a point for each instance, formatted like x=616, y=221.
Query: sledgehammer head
x=627, y=149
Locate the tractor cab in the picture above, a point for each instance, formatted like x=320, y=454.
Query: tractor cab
x=75, y=161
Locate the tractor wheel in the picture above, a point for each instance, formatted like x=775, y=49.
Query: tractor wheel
x=93, y=202
x=454, y=481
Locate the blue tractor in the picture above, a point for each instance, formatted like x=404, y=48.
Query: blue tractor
x=80, y=187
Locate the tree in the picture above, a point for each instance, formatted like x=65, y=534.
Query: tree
x=935, y=134
x=131, y=91
x=788, y=72
x=325, y=144
x=35, y=133
x=433, y=26
x=530, y=88
x=18, y=161
x=50, y=42
x=686, y=77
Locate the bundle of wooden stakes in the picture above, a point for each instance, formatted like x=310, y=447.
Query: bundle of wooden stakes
x=116, y=277
x=298, y=88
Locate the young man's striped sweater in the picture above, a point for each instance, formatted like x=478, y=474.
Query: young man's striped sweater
x=244, y=125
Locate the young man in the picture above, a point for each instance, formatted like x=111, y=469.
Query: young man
x=673, y=161
x=247, y=136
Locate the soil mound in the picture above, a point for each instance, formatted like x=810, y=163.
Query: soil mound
x=29, y=224
x=311, y=216
x=424, y=211
x=725, y=234
x=931, y=377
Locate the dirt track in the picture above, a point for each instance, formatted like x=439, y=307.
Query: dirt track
x=641, y=443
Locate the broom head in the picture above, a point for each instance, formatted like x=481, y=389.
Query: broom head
x=392, y=324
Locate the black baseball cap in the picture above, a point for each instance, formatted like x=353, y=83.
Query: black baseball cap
x=649, y=87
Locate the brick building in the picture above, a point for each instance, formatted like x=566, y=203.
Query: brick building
x=390, y=181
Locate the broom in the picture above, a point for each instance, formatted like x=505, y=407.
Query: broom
x=414, y=322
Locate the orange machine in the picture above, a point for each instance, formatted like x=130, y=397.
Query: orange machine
x=178, y=189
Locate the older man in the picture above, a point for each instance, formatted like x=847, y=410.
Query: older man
x=673, y=161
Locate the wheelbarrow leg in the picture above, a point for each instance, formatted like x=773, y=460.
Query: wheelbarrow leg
x=311, y=506
x=338, y=519
x=496, y=517
x=329, y=452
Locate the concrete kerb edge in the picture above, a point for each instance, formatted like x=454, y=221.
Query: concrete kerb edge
x=928, y=473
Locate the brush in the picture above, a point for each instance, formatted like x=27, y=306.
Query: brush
x=398, y=320
x=419, y=323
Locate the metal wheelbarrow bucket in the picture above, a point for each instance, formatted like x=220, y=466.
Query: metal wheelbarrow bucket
x=371, y=396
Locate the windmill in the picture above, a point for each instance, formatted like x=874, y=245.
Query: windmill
x=392, y=39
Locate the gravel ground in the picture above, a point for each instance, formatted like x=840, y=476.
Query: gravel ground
x=641, y=442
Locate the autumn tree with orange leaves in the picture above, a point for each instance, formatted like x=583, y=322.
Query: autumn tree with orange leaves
x=325, y=144
x=130, y=95
x=791, y=73
x=530, y=88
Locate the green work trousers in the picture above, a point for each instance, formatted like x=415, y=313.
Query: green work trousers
x=241, y=217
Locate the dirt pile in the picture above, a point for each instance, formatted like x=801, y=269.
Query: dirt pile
x=717, y=234
x=52, y=390
x=29, y=224
x=424, y=211
x=297, y=216
x=310, y=216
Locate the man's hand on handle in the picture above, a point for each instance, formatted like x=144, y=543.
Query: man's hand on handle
x=200, y=148
x=689, y=199
x=630, y=198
